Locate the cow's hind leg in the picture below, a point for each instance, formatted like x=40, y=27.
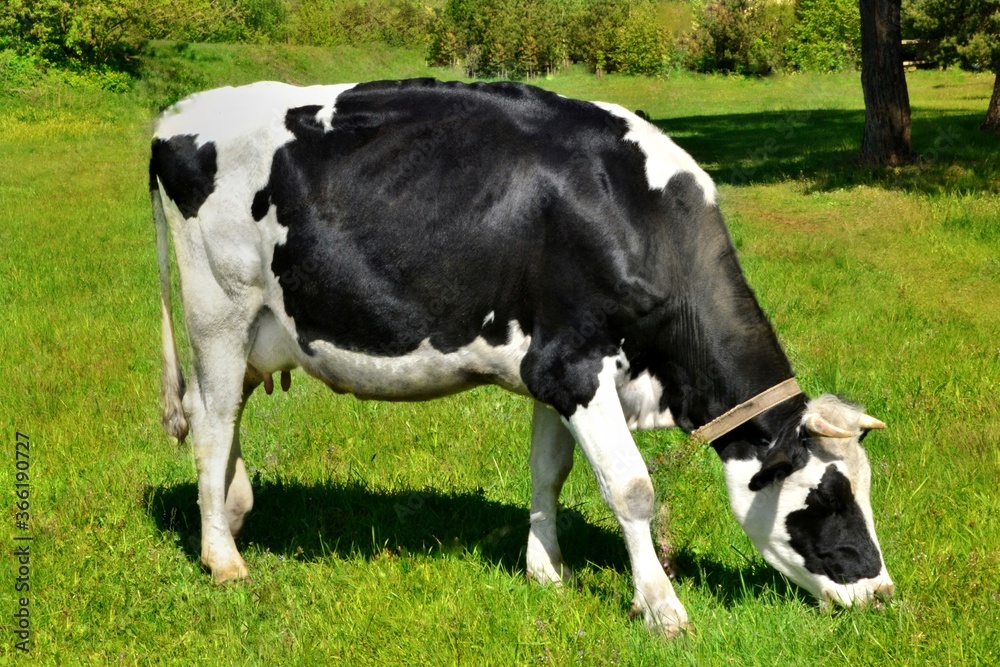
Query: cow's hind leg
x=214, y=402
x=239, y=493
x=604, y=437
x=551, y=460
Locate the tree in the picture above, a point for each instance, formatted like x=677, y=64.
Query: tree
x=961, y=32
x=992, y=121
x=886, y=139
x=528, y=56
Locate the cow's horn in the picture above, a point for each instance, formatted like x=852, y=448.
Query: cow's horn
x=867, y=422
x=819, y=426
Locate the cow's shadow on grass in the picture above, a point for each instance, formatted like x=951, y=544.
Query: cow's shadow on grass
x=315, y=522
x=822, y=146
x=732, y=585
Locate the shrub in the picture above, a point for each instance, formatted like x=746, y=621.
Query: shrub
x=262, y=21
x=826, y=36
x=741, y=36
x=623, y=37
x=333, y=22
x=75, y=31
x=19, y=71
x=110, y=34
x=521, y=38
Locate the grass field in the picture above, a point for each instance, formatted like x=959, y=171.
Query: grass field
x=393, y=533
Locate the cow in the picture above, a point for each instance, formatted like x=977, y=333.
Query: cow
x=404, y=240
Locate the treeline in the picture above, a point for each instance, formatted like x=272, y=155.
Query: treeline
x=505, y=38
x=490, y=38
x=524, y=38
x=112, y=33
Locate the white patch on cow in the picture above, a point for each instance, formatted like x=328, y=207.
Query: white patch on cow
x=245, y=114
x=325, y=117
x=489, y=318
x=664, y=158
x=640, y=398
x=423, y=373
x=763, y=513
x=602, y=432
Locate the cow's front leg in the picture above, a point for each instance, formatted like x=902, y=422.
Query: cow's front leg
x=604, y=437
x=551, y=460
x=213, y=404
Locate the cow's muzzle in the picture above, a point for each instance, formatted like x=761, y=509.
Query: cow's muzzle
x=867, y=592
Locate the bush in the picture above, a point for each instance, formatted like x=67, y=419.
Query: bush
x=18, y=71
x=333, y=22
x=741, y=36
x=74, y=31
x=263, y=21
x=504, y=38
x=109, y=35
x=641, y=46
x=622, y=37
x=523, y=38
x=826, y=36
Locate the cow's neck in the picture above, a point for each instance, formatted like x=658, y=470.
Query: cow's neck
x=716, y=348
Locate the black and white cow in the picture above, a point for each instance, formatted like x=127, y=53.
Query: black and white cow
x=406, y=240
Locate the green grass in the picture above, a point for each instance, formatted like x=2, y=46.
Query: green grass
x=394, y=533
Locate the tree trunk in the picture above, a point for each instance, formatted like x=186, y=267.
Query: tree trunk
x=886, y=140
x=992, y=121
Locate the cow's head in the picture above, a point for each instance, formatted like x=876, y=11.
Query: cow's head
x=805, y=504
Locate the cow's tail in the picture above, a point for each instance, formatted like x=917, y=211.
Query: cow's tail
x=172, y=386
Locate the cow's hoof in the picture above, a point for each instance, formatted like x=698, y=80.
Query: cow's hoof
x=554, y=574
x=672, y=631
x=233, y=571
x=668, y=624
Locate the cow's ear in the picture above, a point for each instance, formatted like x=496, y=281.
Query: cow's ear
x=779, y=462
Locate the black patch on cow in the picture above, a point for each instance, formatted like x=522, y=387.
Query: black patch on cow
x=261, y=204
x=779, y=462
x=831, y=533
x=186, y=171
x=423, y=206
x=563, y=381
x=303, y=123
